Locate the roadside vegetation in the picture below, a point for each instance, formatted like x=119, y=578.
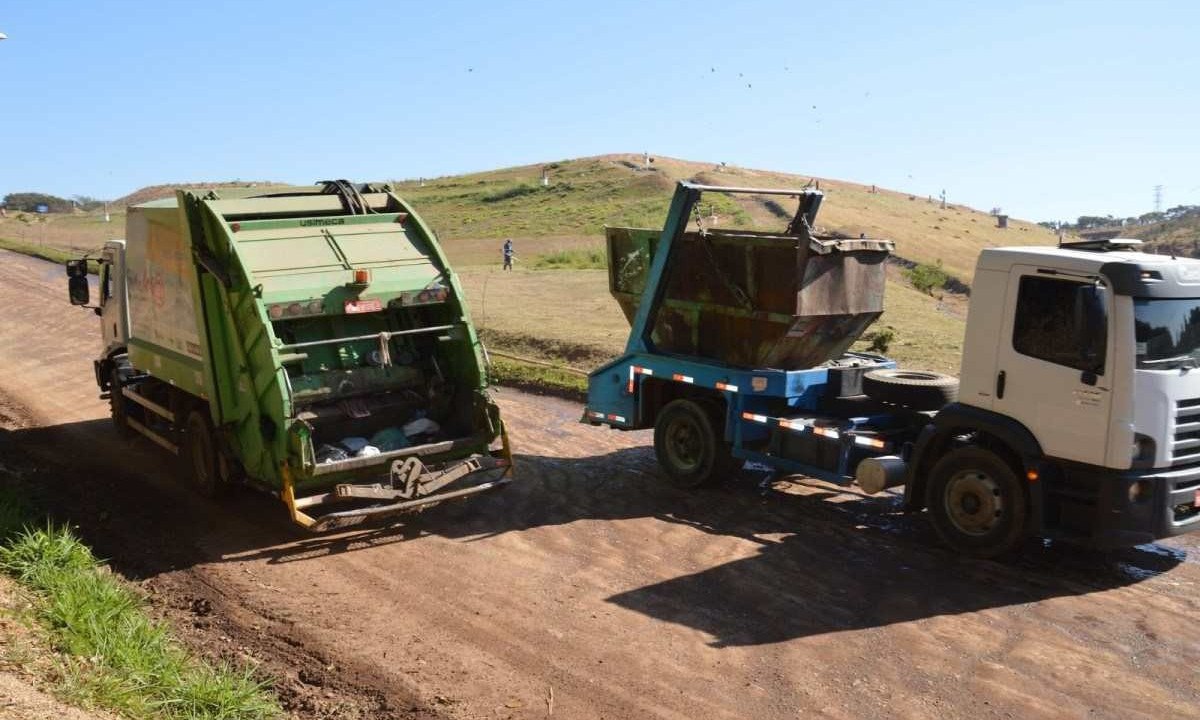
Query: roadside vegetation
x=44, y=252
x=927, y=278
x=107, y=652
x=574, y=259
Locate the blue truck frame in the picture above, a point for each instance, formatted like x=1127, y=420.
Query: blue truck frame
x=762, y=407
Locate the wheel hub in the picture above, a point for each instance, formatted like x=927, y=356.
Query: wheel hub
x=683, y=444
x=974, y=502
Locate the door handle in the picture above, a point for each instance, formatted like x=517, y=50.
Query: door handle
x=1000, y=381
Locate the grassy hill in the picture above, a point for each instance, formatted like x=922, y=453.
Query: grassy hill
x=1181, y=235
x=566, y=315
x=588, y=193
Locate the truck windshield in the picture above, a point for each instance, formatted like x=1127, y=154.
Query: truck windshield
x=1167, y=332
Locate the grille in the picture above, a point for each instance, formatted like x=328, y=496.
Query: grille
x=1185, y=445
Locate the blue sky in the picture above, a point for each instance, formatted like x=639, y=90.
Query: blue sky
x=1049, y=110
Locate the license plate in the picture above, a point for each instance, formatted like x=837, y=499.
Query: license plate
x=363, y=306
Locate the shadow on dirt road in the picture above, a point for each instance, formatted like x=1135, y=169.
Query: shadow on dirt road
x=826, y=561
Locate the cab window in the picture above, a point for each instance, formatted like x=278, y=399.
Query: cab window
x=1062, y=322
x=105, y=282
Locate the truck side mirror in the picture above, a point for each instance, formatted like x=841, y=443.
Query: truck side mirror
x=1091, y=325
x=77, y=282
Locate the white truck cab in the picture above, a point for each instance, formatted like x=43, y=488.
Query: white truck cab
x=1081, y=366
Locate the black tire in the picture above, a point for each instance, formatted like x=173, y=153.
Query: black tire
x=977, y=502
x=690, y=445
x=914, y=389
x=201, y=455
x=116, y=401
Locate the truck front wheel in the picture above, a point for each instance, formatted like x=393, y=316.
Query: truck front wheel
x=977, y=503
x=201, y=453
x=689, y=447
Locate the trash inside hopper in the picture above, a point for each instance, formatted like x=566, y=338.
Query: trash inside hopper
x=753, y=299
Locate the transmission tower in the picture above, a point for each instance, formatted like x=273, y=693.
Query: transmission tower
x=1158, y=198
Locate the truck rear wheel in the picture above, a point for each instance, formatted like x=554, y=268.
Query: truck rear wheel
x=200, y=450
x=689, y=447
x=977, y=503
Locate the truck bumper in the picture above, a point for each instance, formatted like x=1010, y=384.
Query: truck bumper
x=412, y=487
x=1129, y=507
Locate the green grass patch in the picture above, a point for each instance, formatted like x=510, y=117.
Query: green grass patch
x=112, y=655
x=926, y=278
x=574, y=259
x=553, y=380
x=509, y=193
x=45, y=252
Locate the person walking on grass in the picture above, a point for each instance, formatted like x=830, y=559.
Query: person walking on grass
x=508, y=254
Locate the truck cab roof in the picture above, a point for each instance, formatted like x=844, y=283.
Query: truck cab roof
x=1128, y=272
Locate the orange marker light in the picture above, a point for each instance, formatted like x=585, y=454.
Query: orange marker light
x=1032, y=475
x=362, y=276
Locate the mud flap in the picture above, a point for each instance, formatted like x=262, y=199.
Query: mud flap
x=412, y=486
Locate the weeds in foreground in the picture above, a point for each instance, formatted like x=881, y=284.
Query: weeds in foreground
x=112, y=654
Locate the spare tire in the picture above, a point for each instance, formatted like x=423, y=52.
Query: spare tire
x=914, y=389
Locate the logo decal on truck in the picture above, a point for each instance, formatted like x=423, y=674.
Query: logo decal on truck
x=322, y=221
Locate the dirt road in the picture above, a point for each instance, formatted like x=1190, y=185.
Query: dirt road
x=590, y=589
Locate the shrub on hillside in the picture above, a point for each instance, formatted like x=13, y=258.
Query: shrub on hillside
x=927, y=278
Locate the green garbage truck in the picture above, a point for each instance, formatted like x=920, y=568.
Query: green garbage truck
x=313, y=342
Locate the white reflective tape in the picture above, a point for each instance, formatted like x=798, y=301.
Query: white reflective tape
x=870, y=441
x=616, y=418
x=683, y=378
x=727, y=387
x=595, y=414
x=827, y=432
x=646, y=371
x=755, y=418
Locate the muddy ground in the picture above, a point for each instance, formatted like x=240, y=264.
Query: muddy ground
x=590, y=589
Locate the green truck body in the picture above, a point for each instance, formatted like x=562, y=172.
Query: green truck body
x=293, y=322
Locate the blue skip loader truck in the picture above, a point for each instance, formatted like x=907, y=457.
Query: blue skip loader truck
x=739, y=351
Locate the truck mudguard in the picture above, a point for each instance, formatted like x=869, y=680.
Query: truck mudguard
x=956, y=419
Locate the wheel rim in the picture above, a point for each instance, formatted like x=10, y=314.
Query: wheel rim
x=684, y=446
x=974, y=502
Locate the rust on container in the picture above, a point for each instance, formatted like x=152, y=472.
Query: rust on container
x=754, y=299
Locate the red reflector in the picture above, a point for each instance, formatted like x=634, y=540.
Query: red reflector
x=235, y=227
x=363, y=306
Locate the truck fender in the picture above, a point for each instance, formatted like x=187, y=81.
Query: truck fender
x=957, y=419
x=103, y=367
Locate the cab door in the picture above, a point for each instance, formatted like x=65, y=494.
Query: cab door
x=114, y=318
x=1053, y=369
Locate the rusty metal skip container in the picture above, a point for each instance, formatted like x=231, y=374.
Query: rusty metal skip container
x=788, y=300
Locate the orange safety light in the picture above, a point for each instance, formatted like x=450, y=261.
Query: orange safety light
x=362, y=276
